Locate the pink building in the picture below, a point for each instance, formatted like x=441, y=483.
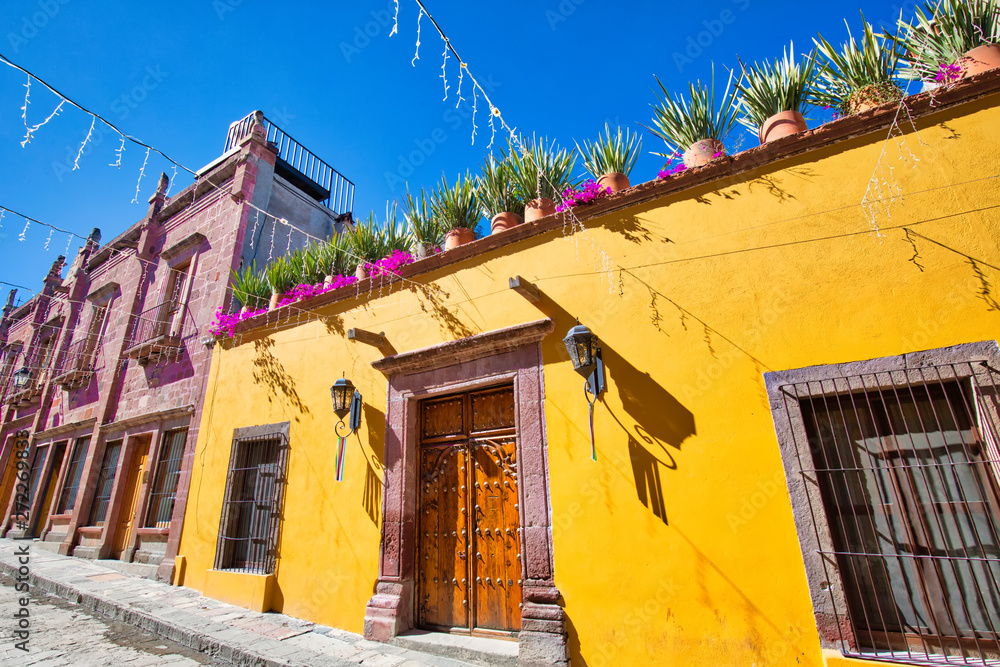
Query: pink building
x=103, y=372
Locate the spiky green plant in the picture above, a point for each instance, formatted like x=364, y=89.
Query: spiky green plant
x=610, y=152
x=279, y=275
x=250, y=287
x=942, y=32
x=857, y=73
x=497, y=189
x=766, y=89
x=684, y=120
x=366, y=242
x=541, y=169
x=457, y=205
x=395, y=233
x=425, y=226
x=332, y=256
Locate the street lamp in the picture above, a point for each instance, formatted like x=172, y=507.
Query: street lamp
x=21, y=377
x=346, y=400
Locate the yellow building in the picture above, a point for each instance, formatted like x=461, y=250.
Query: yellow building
x=796, y=454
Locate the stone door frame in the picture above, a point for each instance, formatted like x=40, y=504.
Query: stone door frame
x=511, y=355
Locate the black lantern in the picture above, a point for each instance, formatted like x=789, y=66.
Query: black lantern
x=581, y=344
x=585, y=352
x=21, y=377
x=346, y=400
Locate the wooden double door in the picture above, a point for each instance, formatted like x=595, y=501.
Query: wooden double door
x=468, y=566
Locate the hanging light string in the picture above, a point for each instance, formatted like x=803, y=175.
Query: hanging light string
x=575, y=225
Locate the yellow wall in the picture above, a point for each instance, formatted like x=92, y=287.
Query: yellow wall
x=700, y=563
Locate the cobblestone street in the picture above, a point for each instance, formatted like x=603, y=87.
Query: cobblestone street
x=63, y=633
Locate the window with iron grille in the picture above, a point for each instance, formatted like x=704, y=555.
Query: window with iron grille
x=105, y=483
x=251, y=509
x=67, y=497
x=898, y=505
x=168, y=472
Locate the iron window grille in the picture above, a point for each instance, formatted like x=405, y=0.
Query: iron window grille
x=105, y=483
x=168, y=472
x=67, y=497
x=901, y=470
x=251, y=509
x=35, y=472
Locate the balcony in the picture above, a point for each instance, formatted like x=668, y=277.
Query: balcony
x=77, y=365
x=156, y=333
x=299, y=166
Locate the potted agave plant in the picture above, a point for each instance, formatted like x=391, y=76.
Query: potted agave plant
x=459, y=210
x=499, y=195
x=425, y=227
x=251, y=290
x=541, y=172
x=280, y=278
x=774, y=95
x=611, y=157
x=696, y=124
x=950, y=40
x=858, y=76
x=365, y=245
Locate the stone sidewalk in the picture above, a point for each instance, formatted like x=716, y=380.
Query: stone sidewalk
x=220, y=631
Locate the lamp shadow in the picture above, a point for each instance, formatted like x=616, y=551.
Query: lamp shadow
x=654, y=423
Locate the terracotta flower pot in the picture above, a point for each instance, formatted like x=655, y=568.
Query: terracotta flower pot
x=458, y=236
x=536, y=209
x=360, y=272
x=503, y=221
x=273, y=303
x=615, y=180
x=782, y=125
x=244, y=310
x=980, y=59
x=702, y=152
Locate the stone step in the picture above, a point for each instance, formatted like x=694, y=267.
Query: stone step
x=476, y=650
x=132, y=569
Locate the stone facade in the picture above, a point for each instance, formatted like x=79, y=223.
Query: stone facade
x=116, y=353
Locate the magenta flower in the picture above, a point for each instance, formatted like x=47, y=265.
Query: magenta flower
x=590, y=191
x=673, y=171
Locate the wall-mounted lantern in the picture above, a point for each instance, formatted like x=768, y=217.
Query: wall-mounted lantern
x=346, y=401
x=585, y=352
x=21, y=377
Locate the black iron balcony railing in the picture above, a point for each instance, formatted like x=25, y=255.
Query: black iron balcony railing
x=313, y=175
x=77, y=364
x=154, y=332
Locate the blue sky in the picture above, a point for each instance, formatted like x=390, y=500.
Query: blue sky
x=177, y=74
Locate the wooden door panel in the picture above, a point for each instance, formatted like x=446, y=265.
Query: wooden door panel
x=443, y=554
x=497, y=542
x=468, y=568
x=130, y=499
